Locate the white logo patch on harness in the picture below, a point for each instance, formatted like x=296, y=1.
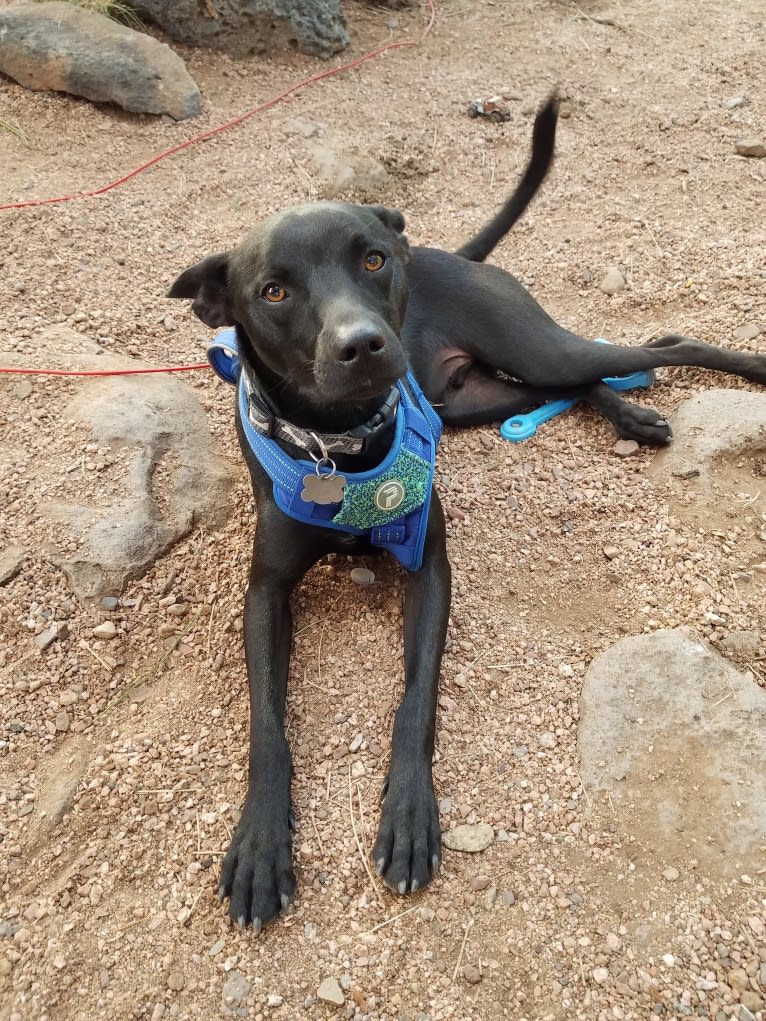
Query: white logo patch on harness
x=389, y=495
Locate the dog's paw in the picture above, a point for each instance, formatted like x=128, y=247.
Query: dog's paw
x=644, y=425
x=407, y=851
x=257, y=873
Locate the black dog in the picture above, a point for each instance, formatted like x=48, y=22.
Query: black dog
x=330, y=306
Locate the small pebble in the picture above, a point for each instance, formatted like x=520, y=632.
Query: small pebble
x=471, y=974
x=235, y=988
x=469, y=838
x=273, y=1000
x=109, y=603
x=330, y=992
x=600, y=975
x=610, y=552
x=51, y=635
x=548, y=739
x=63, y=721
x=742, y=643
x=737, y=978
x=751, y=1001
x=216, y=948
x=670, y=874
x=508, y=898
x=480, y=883
x=362, y=576
x=748, y=331
x=106, y=630
x=613, y=281
x=175, y=981
x=626, y=448
x=752, y=147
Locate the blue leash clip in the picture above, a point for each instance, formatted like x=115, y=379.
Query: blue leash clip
x=521, y=427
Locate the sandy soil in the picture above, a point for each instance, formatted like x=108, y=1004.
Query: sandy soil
x=113, y=828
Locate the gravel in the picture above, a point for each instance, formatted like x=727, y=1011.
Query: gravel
x=139, y=797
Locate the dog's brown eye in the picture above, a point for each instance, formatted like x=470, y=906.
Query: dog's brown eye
x=374, y=261
x=274, y=292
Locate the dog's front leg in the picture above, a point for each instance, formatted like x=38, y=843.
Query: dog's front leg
x=408, y=849
x=257, y=872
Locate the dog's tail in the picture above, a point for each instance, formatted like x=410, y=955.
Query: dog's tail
x=543, y=143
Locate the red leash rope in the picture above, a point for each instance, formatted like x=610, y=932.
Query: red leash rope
x=331, y=72
x=103, y=372
x=185, y=145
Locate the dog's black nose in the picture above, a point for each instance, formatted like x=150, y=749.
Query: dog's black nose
x=360, y=342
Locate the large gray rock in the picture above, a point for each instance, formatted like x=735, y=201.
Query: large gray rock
x=242, y=27
x=719, y=438
x=672, y=737
x=177, y=479
x=57, y=46
x=713, y=424
x=169, y=475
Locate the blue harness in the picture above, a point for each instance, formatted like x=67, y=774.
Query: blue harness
x=388, y=504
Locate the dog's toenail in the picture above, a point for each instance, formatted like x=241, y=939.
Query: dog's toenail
x=241, y=921
x=402, y=887
x=221, y=894
x=257, y=925
x=285, y=901
x=380, y=866
x=435, y=862
x=415, y=885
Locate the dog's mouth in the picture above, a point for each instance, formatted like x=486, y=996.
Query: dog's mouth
x=366, y=366
x=336, y=388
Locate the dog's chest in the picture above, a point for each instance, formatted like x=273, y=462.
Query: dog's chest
x=350, y=545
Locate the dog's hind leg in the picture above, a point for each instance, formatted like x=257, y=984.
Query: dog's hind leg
x=572, y=361
x=476, y=395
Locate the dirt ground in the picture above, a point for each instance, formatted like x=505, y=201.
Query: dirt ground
x=113, y=829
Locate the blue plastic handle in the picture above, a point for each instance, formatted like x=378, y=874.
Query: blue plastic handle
x=521, y=427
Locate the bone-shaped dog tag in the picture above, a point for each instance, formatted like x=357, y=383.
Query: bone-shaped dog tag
x=323, y=488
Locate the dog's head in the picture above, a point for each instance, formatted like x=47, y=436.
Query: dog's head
x=320, y=293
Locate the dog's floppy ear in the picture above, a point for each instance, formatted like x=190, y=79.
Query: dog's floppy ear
x=391, y=217
x=207, y=284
